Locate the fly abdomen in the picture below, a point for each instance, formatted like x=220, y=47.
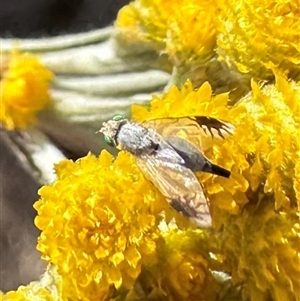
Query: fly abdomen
x=194, y=159
x=216, y=170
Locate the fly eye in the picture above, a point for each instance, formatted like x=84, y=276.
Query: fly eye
x=109, y=141
x=118, y=117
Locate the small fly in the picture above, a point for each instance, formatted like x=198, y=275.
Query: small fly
x=168, y=160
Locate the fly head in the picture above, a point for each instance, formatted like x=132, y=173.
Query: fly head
x=111, y=128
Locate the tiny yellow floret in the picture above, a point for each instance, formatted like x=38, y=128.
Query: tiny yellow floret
x=24, y=90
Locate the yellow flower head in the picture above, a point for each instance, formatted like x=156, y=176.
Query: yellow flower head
x=183, y=29
x=24, y=90
x=261, y=251
x=127, y=24
x=99, y=223
x=183, y=271
x=256, y=35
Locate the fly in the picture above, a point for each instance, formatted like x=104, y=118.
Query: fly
x=168, y=160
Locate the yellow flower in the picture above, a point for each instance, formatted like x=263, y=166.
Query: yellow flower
x=99, y=223
x=23, y=90
x=184, y=271
x=253, y=34
x=183, y=29
x=261, y=251
x=262, y=192
x=127, y=24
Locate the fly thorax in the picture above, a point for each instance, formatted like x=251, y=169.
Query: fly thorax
x=135, y=139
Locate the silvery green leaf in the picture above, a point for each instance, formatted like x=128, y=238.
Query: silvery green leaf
x=56, y=43
x=115, y=84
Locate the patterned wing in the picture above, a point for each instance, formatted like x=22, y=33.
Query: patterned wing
x=177, y=183
x=194, y=129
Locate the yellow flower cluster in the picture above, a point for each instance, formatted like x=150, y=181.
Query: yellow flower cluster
x=101, y=220
x=99, y=223
x=253, y=34
x=24, y=90
x=111, y=234
x=168, y=24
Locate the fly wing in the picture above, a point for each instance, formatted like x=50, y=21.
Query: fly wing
x=177, y=183
x=195, y=129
